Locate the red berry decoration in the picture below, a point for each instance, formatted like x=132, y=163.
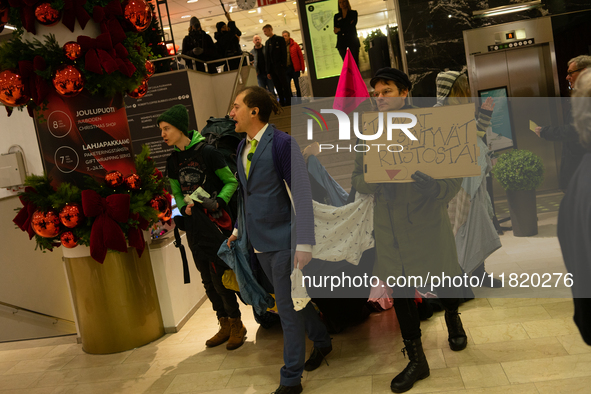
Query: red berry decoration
x=72, y=50
x=160, y=203
x=71, y=215
x=150, y=69
x=46, y=224
x=114, y=178
x=138, y=14
x=68, y=239
x=12, y=89
x=68, y=80
x=47, y=15
x=140, y=91
x=133, y=182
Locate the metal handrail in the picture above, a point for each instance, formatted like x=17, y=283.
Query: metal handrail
x=180, y=56
x=217, y=61
x=18, y=308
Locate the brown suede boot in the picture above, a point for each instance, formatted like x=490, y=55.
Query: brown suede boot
x=222, y=335
x=237, y=334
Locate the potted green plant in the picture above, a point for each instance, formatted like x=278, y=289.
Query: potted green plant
x=520, y=172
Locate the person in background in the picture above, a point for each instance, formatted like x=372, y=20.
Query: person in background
x=194, y=167
x=199, y=45
x=272, y=173
x=276, y=58
x=471, y=211
x=295, y=63
x=345, y=27
x=260, y=65
x=413, y=238
x=574, y=215
x=572, y=151
x=227, y=39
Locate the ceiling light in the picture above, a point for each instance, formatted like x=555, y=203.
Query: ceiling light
x=261, y=21
x=507, y=9
x=166, y=28
x=185, y=16
x=259, y=10
x=10, y=27
x=295, y=2
x=231, y=7
x=252, y=11
x=280, y=14
x=449, y=16
x=192, y=1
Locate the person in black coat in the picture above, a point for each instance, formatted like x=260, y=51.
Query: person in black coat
x=574, y=216
x=572, y=151
x=345, y=27
x=276, y=59
x=227, y=39
x=199, y=45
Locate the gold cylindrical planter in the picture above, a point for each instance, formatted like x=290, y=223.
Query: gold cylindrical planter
x=116, y=303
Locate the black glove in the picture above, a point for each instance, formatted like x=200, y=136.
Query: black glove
x=425, y=185
x=210, y=204
x=216, y=214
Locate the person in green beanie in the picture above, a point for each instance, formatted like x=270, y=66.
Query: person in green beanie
x=203, y=185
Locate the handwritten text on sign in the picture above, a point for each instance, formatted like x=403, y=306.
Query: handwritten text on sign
x=446, y=145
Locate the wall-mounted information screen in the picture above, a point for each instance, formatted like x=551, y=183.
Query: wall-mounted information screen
x=500, y=133
x=320, y=15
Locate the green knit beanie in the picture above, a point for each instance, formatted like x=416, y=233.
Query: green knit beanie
x=176, y=116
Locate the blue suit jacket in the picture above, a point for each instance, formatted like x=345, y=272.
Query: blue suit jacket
x=270, y=219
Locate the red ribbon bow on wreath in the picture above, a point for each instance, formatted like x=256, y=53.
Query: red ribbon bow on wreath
x=135, y=236
x=107, y=17
x=106, y=233
x=24, y=216
x=74, y=9
x=27, y=11
x=100, y=53
x=35, y=85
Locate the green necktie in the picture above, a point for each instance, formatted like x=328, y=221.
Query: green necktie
x=253, y=147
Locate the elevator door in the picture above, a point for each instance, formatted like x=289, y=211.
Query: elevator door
x=527, y=73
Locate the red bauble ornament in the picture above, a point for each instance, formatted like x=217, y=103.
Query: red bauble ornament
x=138, y=14
x=47, y=15
x=133, y=181
x=68, y=80
x=150, y=69
x=72, y=50
x=160, y=203
x=140, y=91
x=71, y=215
x=12, y=89
x=68, y=239
x=114, y=178
x=46, y=224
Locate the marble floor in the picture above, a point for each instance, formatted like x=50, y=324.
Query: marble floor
x=516, y=345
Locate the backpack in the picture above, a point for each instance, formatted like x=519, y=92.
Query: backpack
x=221, y=133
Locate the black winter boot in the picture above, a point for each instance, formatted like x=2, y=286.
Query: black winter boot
x=417, y=368
x=456, y=335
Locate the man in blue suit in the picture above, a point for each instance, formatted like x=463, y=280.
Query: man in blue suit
x=274, y=186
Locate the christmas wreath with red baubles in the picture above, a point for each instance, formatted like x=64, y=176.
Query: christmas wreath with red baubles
x=115, y=62
x=106, y=215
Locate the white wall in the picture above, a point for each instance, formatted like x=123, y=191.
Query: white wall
x=178, y=301
x=28, y=278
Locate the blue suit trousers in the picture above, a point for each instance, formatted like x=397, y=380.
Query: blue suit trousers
x=278, y=266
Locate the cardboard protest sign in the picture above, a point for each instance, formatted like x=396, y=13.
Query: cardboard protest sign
x=445, y=146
